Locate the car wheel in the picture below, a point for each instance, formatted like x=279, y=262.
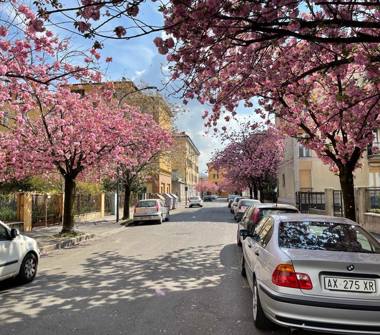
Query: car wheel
x=167, y=217
x=28, y=269
x=259, y=318
x=242, y=270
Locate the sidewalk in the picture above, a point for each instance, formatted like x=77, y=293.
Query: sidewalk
x=47, y=241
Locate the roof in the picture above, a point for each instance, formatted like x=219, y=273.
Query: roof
x=188, y=138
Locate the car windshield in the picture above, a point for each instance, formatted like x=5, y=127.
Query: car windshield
x=147, y=203
x=329, y=236
x=264, y=212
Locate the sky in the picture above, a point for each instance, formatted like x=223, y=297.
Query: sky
x=138, y=60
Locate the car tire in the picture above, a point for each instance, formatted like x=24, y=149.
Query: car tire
x=167, y=218
x=190, y=206
x=243, y=272
x=259, y=317
x=28, y=269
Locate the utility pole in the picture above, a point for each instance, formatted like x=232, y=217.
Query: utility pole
x=117, y=196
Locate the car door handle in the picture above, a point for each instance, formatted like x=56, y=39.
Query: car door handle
x=257, y=253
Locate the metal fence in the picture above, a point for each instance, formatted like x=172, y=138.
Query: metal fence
x=109, y=206
x=86, y=203
x=338, y=203
x=46, y=209
x=8, y=207
x=307, y=200
x=373, y=199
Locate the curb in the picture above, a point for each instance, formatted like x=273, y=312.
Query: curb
x=65, y=243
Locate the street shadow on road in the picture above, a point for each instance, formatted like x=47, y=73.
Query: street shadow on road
x=196, y=290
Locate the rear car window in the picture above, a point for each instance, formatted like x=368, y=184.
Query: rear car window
x=147, y=203
x=195, y=198
x=248, y=202
x=264, y=212
x=328, y=236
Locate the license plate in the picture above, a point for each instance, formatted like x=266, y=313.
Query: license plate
x=350, y=284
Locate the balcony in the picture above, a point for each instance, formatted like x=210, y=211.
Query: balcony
x=373, y=154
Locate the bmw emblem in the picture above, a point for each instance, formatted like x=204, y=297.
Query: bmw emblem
x=351, y=267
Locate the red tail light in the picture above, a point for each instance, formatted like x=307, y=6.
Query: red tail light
x=285, y=275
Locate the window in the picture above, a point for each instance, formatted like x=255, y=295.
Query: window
x=328, y=236
x=5, y=119
x=4, y=236
x=146, y=203
x=304, y=152
x=283, y=180
x=79, y=91
x=265, y=232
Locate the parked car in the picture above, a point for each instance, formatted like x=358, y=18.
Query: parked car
x=151, y=210
x=313, y=272
x=254, y=214
x=207, y=198
x=234, y=203
x=231, y=198
x=214, y=197
x=195, y=201
x=242, y=207
x=19, y=255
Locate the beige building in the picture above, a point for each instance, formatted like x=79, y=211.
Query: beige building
x=160, y=179
x=302, y=171
x=185, y=165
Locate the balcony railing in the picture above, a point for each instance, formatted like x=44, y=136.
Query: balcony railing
x=373, y=149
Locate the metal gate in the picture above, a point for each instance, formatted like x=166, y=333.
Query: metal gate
x=338, y=203
x=46, y=209
x=307, y=200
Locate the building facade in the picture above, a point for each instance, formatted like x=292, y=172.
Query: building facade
x=185, y=166
x=216, y=176
x=302, y=171
x=160, y=179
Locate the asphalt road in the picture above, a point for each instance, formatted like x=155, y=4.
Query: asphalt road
x=181, y=277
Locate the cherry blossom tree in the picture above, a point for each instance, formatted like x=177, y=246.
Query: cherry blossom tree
x=206, y=186
x=251, y=157
x=147, y=142
x=265, y=21
x=315, y=65
x=71, y=135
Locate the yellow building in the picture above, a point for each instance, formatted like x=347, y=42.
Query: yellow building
x=126, y=92
x=185, y=162
x=216, y=176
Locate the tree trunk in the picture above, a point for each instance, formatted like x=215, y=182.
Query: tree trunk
x=347, y=185
x=255, y=191
x=250, y=192
x=127, y=198
x=261, y=195
x=68, y=217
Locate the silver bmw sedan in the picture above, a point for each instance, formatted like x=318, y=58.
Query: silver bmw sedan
x=313, y=272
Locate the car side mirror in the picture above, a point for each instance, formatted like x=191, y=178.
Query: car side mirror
x=244, y=233
x=14, y=233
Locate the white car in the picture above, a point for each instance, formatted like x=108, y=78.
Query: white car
x=19, y=255
x=195, y=201
x=151, y=210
